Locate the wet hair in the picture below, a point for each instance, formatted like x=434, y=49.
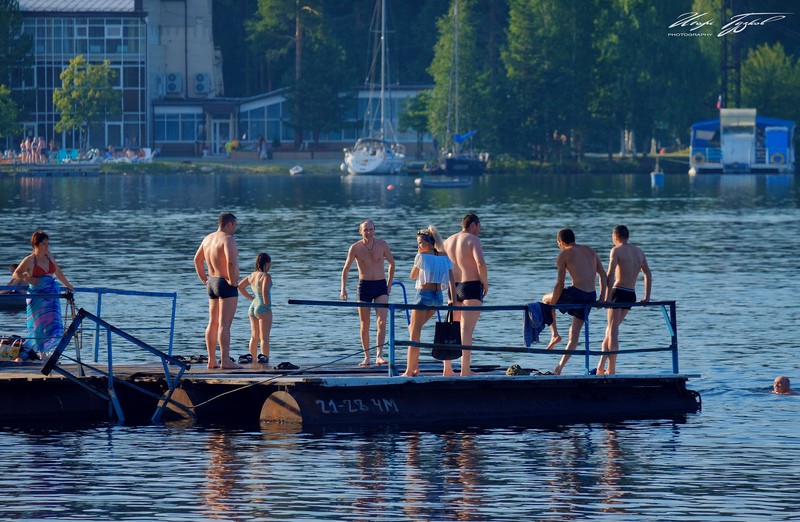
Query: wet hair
x=431, y=235
x=262, y=260
x=566, y=235
x=38, y=237
x=363, y=223
x=470, y=219
x=622, y=232
x=13, y=266
x=225, y=219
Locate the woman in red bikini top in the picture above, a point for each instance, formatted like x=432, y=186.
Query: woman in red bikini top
x=40, y=263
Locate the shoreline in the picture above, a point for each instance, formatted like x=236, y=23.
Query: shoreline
x=330, y=165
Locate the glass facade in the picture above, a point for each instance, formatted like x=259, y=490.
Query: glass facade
x=176, y=127
x=56, y=41
x=266, y=120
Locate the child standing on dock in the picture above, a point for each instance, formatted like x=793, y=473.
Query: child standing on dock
x=432, y=270
x=260, y=311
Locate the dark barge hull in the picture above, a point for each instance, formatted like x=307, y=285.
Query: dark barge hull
x=484, y=401
x=347, y=397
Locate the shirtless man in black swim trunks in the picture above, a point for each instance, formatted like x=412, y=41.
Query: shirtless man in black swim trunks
x=218, y=251
x=624, y=265
x=582, y=264
x=472, y=283
x=373, y=285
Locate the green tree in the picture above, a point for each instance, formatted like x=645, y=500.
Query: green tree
x=548, y=59
x=278, y=33
x=415, y=118
x=771, y=82
x=457, y=100
x=8, y=113
x=86, y=96
x=319, y=90
x=14, y=45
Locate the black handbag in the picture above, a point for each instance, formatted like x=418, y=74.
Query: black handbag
x=447, y=332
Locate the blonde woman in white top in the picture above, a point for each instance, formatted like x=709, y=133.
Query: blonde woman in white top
x=433, y=272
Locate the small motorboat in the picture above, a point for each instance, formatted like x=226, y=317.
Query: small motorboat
x=444, y=182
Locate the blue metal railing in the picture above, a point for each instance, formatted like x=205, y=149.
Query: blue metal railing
x=669, y=317
x=110, y=393
x=100, y=292
x=19, y=301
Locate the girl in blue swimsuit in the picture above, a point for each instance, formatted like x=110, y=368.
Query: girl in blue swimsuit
x=260, y=311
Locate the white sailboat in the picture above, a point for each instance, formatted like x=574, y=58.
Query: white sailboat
x=378, y=151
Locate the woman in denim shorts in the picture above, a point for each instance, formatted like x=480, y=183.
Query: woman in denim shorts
x=433, y=271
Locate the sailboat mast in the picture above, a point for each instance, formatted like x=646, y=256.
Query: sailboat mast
x=383, y=67
x=455, y=59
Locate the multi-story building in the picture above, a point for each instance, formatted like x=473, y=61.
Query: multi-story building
x=167, y=68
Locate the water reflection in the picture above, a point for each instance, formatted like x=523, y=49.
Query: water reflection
x=222, y=476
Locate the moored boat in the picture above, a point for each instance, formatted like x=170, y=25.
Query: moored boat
x=742, y=142
x=378, y=152
x=458, y=158
x=442, y=182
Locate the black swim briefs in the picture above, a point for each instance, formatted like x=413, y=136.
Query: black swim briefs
x=469, y=290
x=370, y=289
x=218, y=288
x=572, y=295
x=623, y=295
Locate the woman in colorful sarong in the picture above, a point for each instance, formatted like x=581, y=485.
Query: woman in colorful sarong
x=40, y=271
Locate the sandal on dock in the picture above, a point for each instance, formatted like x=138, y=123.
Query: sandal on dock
x=262, y=359
x=246, y=359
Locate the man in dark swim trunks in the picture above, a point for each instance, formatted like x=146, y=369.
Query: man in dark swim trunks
x=373, y=286
x=472, y=283
x=218, y=251
x=582, y=264
x=624, y=265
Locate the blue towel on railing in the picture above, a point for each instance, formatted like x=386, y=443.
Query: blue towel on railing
x=535, y=318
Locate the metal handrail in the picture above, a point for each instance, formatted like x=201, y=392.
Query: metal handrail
x=110, y=394
x=669, y=317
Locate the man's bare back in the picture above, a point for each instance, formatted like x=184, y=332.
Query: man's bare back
x=580, y=262
x=466, y=252
x=220, y=253
x=626, y=261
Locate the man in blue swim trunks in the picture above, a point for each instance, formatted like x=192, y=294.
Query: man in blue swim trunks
x=582, y=263
x=371, y=255
x=218, y=250
x=624, y=265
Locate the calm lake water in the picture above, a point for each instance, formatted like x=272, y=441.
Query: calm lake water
x=726, y=248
